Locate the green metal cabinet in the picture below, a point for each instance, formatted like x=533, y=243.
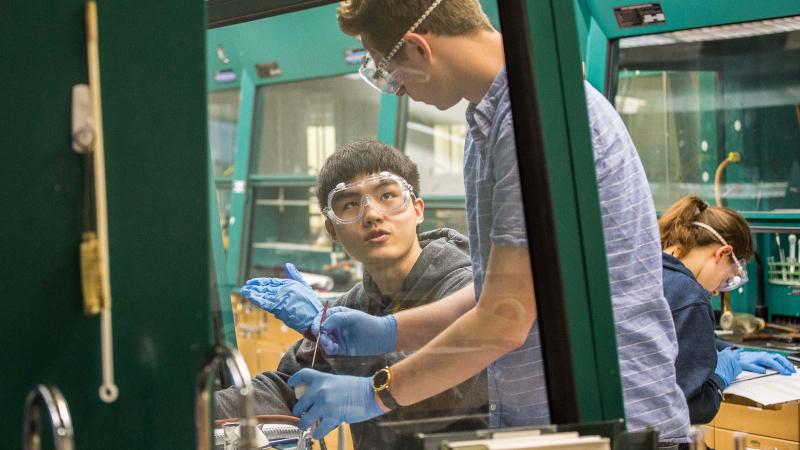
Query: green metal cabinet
x=153, y=83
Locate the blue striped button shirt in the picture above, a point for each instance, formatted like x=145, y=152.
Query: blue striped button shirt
x=645, y=333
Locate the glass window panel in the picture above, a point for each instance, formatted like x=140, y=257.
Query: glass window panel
x=300, y=124
x=690, y=98
x=224, y=205
x=223, y=116
x=435, y=141
x=288, y=227
x=454, y=218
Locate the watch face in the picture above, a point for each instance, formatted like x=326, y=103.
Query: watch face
x=380, y=379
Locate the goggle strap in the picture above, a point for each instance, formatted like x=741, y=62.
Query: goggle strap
x=413, y=27
x=721, y=239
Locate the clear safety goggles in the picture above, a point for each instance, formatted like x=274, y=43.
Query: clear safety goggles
x=739, y=276
x=386, y=192
x=379, y=71
x=386, y=77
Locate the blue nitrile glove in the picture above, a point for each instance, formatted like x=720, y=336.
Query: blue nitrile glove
x=758, y=362
x=293, y=274
x=351, y=332
x=728, y=367
x=291, y=300
x=333, y=399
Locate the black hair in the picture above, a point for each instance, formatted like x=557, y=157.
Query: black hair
x=363, y=157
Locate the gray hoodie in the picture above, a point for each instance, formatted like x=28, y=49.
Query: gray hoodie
x=443, y=267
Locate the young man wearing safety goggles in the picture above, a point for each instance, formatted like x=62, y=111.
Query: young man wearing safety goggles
x=440, y=52
x=367, y=192
x=702, y=250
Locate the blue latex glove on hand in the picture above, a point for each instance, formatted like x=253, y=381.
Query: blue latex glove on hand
x=351, y=332
x=291, y=300
x=333, y=399
x=728, y=367
x=758, y=362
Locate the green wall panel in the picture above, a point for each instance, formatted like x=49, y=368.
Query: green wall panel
x=292, y=40
x=682, y=14
x=237, y=231
x=582, y=19
x=596, y=56
x=152, y=64
x=598, y=16
x=389, y=116
x=305, y=44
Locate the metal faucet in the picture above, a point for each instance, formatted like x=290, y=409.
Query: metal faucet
x=241, y=379
x=60, y=419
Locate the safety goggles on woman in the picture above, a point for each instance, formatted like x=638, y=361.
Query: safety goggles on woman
x=386, y=192
x=739, y=276
x=379, y=71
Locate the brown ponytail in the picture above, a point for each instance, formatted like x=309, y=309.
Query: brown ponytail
x=677, y=229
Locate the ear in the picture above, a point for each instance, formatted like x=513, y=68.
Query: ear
x=416, y=46
x=419, y=210
x=722, y=252
x=330, y=229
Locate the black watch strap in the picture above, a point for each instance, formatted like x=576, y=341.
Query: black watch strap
x=388, y=399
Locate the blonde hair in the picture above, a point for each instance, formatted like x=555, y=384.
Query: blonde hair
x=677, y=228
x=385, y=21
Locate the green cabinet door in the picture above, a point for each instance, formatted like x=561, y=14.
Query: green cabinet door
x=153, y=83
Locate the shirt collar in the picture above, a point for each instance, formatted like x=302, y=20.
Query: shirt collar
x=480, y=116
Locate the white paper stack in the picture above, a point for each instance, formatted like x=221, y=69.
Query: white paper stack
x=766, y=390
x=527, y=440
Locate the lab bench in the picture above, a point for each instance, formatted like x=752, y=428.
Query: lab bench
x=774, y=427
x=777, y=429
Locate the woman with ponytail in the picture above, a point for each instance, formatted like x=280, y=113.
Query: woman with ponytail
x=705, y=253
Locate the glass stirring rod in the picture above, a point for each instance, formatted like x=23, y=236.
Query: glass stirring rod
x=300, y=389
x=316, y=345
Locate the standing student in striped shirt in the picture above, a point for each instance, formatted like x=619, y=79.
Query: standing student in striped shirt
x=439, y=52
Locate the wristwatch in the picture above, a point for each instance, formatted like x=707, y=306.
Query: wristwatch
x=380, y=385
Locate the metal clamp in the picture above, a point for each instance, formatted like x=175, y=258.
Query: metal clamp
x=237, y=367
x=60, y=419
x=740, y=440
x=697, y=438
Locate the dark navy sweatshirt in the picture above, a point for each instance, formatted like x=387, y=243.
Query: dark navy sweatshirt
x=690, y=305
